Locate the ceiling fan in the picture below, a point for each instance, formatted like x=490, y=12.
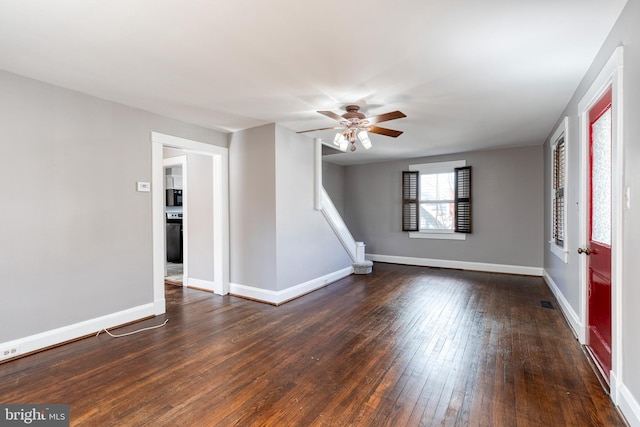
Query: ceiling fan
x=353, y=123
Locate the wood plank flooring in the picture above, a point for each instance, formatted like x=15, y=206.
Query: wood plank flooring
x=403, y=346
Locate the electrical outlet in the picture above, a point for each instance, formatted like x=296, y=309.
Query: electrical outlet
x=9, y=352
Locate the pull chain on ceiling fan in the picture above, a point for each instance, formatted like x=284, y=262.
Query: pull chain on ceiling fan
x=355, y=124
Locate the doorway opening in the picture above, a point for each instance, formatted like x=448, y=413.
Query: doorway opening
x=175, y=191
x=206, y=266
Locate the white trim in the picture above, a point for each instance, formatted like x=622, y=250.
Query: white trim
x=336, y=222
x=318, y=174
x=279, y=297
x=611, y=75
x=204, y=284
x=626, y=402
x=159, y=305
x=463, y=265
x=448, y=235
x=188, y=144
x=77, y=330
x=437, y=167
x=617, y=216
x=221, y=223
x=252, y=292
x=569, y=313
x=563, y=254
x=158, y=227
x=434, y=168
x=562, y=131
x=220, y=162
x=614, y=384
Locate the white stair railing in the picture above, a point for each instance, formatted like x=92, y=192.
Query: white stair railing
x=323, y=203
x=353, y=248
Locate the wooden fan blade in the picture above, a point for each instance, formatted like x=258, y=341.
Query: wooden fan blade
x=386, y=132
x=313, y=130
x=332, y=115
x=385, y=117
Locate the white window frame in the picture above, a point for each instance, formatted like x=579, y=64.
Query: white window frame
x=560, y=134
x=433, y=168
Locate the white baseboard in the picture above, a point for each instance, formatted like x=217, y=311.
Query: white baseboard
x=614, y=387
x=77, y=330
x=569, y=313
x=463, y=265
x=628, y=406
x=204, y=284
x=278, y=297
x=159, y=306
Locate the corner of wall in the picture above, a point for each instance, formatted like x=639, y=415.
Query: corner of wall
x=577, y=327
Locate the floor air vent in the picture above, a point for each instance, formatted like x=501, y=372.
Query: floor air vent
x=546, y=304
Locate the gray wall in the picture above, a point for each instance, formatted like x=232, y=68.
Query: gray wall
x=333, y=183
x=507, y=209
x=252, y=207
x=278, y=239
x=625, y=32
x=76, y=238
x=307, y=246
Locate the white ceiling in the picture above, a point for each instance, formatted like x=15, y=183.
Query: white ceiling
x=469, y=74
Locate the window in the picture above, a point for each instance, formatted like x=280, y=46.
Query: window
x=437, y=200
x=558, y=190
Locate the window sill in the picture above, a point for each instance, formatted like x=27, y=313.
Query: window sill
x=559, y=252
x=441, y=236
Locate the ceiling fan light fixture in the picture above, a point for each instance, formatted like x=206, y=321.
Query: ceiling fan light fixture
x=363, y=136
x=341, y=141
x=355, y=126
x=337, y=139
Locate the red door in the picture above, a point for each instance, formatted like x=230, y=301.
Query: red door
x=599, y=250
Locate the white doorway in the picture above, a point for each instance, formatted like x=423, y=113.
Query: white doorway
x=220, y=218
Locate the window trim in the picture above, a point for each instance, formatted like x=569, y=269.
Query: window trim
x=561, y=134
x=432, y=168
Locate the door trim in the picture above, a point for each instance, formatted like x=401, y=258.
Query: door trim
x=220, y=159
x=610, y=76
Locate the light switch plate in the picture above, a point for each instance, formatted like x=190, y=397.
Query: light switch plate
x=627, y=197
x=144, y=186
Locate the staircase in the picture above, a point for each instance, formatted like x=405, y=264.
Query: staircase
x=353, y=248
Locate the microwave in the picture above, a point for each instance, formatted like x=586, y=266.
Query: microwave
x=174, y=197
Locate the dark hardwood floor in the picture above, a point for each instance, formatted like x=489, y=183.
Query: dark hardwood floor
x=403, y=346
